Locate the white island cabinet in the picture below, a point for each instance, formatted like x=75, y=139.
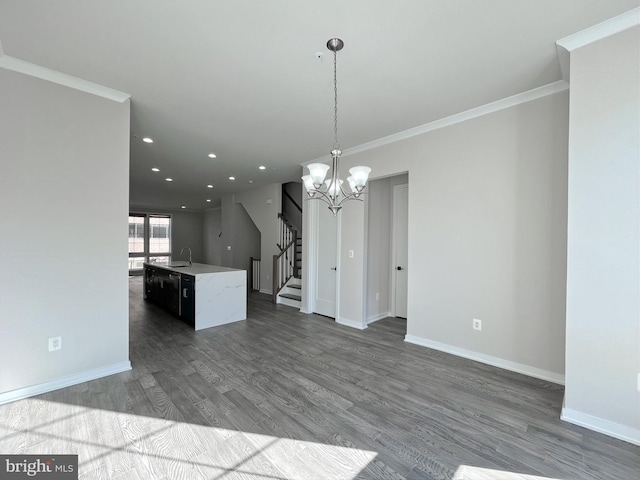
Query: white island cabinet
x=202, y=295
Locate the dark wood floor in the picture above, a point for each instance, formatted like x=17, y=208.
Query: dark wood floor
x=285, y=395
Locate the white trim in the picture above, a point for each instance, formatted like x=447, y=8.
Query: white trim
x=20, y=66
x=593, y=34
x=64, y=382
x=380, y=316
x=597, y=424
x=488, y=359
x=309, y=253
x=350, y=323
x=601, y=30
x=338, y=263
x=264, y=290
x=514, y=100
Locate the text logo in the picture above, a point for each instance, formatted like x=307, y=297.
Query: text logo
x=51, y=467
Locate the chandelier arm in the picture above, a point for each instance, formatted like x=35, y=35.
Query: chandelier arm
x=351, y=196
x=344, y=193
x=324, y=196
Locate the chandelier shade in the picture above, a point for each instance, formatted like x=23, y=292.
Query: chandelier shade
x=331, y=191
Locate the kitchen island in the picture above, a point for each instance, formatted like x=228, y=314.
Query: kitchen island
x=202, y=295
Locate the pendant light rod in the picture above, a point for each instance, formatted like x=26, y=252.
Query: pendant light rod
x=331, y=191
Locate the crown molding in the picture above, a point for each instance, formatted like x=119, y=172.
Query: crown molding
x=492, y=107
x=26, y=68
x=602, y=30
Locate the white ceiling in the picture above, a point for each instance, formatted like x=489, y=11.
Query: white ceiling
x=240, y=78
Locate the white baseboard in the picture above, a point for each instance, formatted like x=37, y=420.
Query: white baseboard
x=622, y=432
x=488, y=359
x=63, y=382
x=350, y=323
x=377, y=317
x=268, y=292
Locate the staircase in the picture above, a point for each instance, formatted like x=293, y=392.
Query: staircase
x=291, y=294
x=288, y=266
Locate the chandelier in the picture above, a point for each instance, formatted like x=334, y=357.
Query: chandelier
x=331, y=191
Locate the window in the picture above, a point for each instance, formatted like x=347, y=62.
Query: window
x=149, y=240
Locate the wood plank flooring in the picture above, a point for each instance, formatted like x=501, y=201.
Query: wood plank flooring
x=284, y=395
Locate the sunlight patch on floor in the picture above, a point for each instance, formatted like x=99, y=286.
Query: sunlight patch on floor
x=467, y=472
x=118, y=445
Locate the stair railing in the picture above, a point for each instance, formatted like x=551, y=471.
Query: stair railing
x=254, y=274
x=284, y=262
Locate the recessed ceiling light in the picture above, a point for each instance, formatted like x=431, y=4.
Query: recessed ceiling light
x=169, y=179
x=147, y=140
x=212, y=155
x=183, y=206
x=232, y=178
x=262, y=167
x=155, y=169
x=208, y=200
x=250, y=181
x=209, y=186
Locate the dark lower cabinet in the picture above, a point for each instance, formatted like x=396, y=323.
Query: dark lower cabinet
x=188, y=299
x=163, y=288
x=149, y=283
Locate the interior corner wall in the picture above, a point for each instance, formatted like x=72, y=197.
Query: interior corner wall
x=487, y=234
x=64, y=194
x=603, y=279
x=263, y=205
x=212, y=236
x=246, y=239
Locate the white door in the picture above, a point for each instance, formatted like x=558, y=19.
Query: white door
x=326, y=261
x=400, y=247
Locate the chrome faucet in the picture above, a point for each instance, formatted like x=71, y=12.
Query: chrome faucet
x=190, y=262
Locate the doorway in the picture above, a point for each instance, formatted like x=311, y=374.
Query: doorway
x=387, y=240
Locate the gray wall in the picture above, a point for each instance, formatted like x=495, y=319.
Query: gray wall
x=246, y=238
x=64, y=192
x=187, y=230
x=263, y=205
x=212, y=230
x=230, y=226
x=603, y=296
x=487, y=235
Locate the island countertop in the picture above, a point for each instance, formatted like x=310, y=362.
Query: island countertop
x=202, y=295
x=194, y=269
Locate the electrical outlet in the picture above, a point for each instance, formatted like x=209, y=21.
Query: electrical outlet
x=228, y=247
x=639, y=382
x=477, y=324
x=55, y=343
x=351, y=252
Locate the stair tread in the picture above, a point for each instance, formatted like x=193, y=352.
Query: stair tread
x=295, y=285
x=291, y=296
